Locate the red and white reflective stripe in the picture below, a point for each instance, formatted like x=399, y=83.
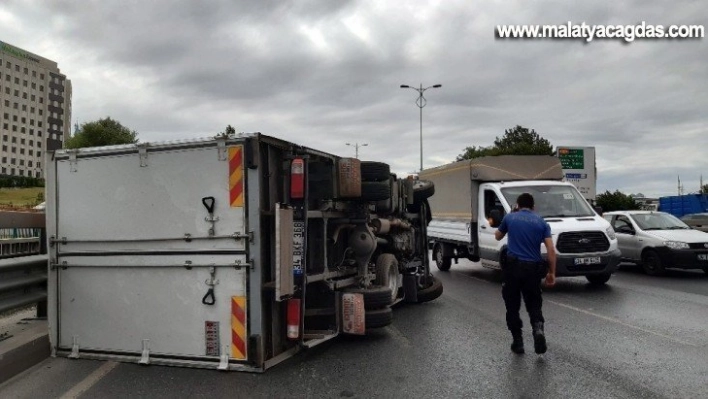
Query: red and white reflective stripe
x=293, y=318
x=297, y=179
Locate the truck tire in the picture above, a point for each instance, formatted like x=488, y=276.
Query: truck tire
x=389, y=205
x=374, y=171
x=442, y=262
x=375, y=297
x=651, y=263
x=423, y=189
x=375, y=190
x=387, y=273
x=598, y=279
x=378, y=318
x=433, y=291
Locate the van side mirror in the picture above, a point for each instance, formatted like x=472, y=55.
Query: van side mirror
x=598, y=209
x=625, y=229
x=496, y=217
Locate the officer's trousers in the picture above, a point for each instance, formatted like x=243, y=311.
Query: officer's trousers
x=522, y=279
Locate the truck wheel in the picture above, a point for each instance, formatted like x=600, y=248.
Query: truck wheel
x=442, y=262
x=598, y=279
x=651, y=262
x=378, y=318
x=374, y=171
x=375, y=190
x=423, y=189
x=387, y=273
x=432, y=291
x=375, y=297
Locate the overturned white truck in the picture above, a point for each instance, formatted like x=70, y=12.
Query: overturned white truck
x=230, y=253
x=468, y=192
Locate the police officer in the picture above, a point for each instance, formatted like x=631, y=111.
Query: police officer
x=524, y=268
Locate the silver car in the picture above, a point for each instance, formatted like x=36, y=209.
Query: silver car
x=698, y=221
x=658, y=240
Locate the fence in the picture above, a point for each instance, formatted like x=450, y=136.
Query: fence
x=23, y=261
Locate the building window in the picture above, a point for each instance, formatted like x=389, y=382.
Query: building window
x=24, y=95
x=41, y=112
x=41, y=100
x=32, y=97
x=22, y=141
x=22, y=129
x=14, y=128
x=41, y=76
x=34, y=86
x=4, y=126
x=8, y=65
x=17, y=93
x=39, y=124
x=14, y=118
x=31, y=152
x=4, y=148
x=26, y=71
x=15, y=105
x=31, y=132
x=22, y=152
x=8, y=78
x=7, y=103
x=17, y=81
x=22, y=162
x=34, y=74
x=4, y=159
x=7, y=90
x=24, y=120
x=17, y=68
x=4, y=137
x=41, y=88
x=24, y=107
x=6, y=115
x=14, y=150
x=22, y=172
x=4, y=171
x=29, y=163
x=24, y=83
x=14, y=140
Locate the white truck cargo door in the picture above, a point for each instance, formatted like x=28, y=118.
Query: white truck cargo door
x=151, y=255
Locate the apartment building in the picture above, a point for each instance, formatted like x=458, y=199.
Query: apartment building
x=35, y=110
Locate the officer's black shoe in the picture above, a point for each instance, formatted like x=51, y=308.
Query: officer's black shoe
x=518, y=345
x=539, y=338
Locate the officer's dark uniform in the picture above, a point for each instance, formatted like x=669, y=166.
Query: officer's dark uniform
x=523, y=270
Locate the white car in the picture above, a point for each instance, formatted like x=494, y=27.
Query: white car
x=658, y=240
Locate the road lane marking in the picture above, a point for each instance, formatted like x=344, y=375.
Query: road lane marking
x=90, y=380
x=613, y=320
x=607, y=318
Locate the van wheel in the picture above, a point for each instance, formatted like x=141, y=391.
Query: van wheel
x=598, y=279
x=442, y=262
x=378, y=318
x=387, y=273
x=651, y=262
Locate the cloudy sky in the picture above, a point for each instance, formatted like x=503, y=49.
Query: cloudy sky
x=323, y=73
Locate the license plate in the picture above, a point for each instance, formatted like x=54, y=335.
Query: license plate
x=702, y=256
x=588, y=261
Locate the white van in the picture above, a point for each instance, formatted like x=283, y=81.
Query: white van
x=467, y=193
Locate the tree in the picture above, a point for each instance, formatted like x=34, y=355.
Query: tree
x=616, y=201
x=704, y=189
x=516, y=141
x=229, y=131
x=102, y=132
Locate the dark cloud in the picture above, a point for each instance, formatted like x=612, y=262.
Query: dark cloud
x=323, y=73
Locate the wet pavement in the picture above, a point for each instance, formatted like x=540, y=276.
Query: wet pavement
x=638, y=336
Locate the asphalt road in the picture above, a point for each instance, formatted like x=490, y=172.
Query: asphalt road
x=636, y=337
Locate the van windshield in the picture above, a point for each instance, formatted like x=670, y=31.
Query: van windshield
x=552, y=200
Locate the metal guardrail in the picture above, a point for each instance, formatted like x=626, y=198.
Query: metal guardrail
x=23, y=261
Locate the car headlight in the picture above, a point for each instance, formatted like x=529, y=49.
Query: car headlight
x=676, y=244
x=611, y=233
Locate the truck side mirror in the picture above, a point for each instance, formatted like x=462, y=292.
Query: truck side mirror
x=496, y=217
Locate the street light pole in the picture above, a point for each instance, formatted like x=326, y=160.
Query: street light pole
x=356, y=148
x=421, y=102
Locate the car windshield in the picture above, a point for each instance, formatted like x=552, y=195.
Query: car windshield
x=552, y=200
x=658, y=221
